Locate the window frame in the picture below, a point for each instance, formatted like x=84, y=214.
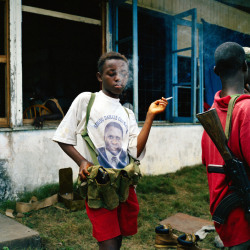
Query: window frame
x=71, y=17
x=197, y=81
x=196, y=86
x=5, y=59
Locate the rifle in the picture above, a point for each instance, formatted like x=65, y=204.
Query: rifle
x=233, y=168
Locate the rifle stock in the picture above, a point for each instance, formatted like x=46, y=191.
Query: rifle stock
x=212, y=125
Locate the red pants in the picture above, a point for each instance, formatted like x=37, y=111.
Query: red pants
x=108, y=224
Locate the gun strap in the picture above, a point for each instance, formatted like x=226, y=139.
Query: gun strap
x=218, y=169
x=85, y=135
x=229, y=115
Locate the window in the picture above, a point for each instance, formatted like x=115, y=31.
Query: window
x=61, y=43
x=4, y=64
x=187, y=67
x=167, y=65
x=153, y=49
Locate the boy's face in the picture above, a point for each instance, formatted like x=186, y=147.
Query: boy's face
x=114, y=77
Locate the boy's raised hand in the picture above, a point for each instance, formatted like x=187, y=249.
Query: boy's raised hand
x=155, y=108
x=158, y=106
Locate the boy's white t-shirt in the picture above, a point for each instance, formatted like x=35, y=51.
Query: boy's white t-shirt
x=112, y=130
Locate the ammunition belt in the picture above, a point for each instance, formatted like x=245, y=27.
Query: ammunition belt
x=112, y=189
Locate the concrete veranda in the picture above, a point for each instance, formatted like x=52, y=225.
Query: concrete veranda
x=14, y=235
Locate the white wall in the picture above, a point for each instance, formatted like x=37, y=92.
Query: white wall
x=29, y=159
x=170, y=148
x=16, y=110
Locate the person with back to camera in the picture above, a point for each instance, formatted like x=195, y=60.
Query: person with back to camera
x=109, y=226
x=231, y=67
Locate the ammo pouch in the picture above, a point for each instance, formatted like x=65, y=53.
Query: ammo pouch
x=115, y=190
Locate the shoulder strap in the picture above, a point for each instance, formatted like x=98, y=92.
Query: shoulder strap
x=229, y=115
x=85, y=135
x=90, y=104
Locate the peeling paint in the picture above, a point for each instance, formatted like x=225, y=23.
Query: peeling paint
x=16, y=110
x=5, y=182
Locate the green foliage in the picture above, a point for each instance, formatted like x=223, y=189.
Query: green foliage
x=156, y=184
x=41, y=192
x=7, y=205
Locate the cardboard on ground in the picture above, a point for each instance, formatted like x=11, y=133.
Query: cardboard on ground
x=186, y=223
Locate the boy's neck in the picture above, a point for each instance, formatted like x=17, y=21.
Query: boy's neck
x=110, y=94
x=232, y=86
x=226, y=92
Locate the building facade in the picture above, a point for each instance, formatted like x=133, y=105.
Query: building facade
x=56, y=44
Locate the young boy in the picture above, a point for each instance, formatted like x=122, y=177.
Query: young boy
x=108, y=225
x=231, y=67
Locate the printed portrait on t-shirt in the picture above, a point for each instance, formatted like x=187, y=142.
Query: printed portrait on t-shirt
x=112, y=155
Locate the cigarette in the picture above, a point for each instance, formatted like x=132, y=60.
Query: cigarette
x=169, y=98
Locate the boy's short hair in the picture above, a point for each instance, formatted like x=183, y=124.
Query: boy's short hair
x=109, y=56
x=229, y=58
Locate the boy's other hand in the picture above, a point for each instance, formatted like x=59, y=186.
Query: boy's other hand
x=158, y=106
x=83, y=169
x=247, y=89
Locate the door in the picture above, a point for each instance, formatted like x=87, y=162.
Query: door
x=187, y=67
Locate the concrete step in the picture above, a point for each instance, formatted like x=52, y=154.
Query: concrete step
x=14, y=235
